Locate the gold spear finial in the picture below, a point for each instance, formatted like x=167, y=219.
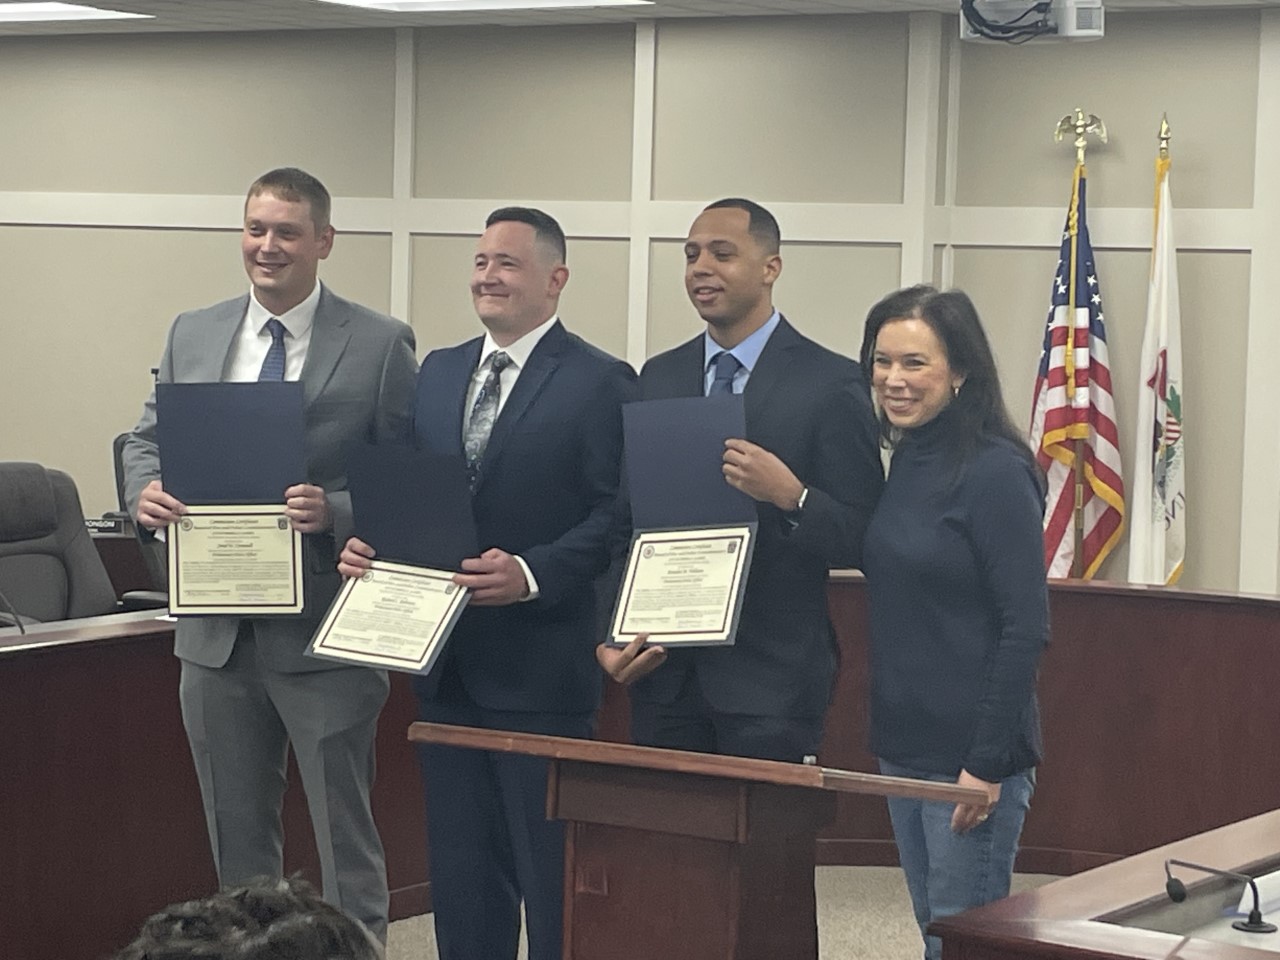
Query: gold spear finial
x=1080, y=124
x=1165, y=137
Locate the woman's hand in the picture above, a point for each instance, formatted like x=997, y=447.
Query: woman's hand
x=966, y=816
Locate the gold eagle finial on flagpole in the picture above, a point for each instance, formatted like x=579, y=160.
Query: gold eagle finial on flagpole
x=1080, y=124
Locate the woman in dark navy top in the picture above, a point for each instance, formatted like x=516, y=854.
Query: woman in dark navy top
x=954, y=559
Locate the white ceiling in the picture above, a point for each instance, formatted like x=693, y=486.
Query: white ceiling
x=198, y=15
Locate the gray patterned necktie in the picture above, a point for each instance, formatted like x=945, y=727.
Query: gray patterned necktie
x=484, y=411
x=273, y=363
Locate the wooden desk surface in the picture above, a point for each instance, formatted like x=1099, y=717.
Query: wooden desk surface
x=1060, y=921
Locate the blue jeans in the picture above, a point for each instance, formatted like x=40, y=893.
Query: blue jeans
x=948, y=872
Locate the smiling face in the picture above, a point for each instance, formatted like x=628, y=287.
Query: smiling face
x=282, y=248
x=911, y=374
x=728, y=274
x=515, y=280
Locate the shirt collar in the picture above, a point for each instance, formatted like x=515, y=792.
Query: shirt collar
x=297, y=320
x=748, y=351
x=520, y=350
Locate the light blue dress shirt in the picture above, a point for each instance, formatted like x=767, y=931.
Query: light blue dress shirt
x=747, y=353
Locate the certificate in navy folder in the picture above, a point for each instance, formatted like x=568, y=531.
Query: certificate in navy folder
x=411, y=506
x=223, y=443
x=414, y=509
x=675, y=455
x=694, y=534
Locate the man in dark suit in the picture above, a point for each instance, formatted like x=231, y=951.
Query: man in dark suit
x=811, y=461
x=247, y=690
x=536, y=412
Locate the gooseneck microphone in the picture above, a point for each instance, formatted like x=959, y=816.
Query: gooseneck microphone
x=1177, y=891
x=4, y=601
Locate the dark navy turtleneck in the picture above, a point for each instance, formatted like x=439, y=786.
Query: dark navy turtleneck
x=954, y=561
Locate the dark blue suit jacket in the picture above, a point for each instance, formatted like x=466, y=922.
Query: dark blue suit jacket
x=546, y=492
x=811, y=408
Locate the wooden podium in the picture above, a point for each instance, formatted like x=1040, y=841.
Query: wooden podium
x=686, y=856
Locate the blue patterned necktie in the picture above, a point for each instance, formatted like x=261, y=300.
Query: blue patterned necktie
x=273, y=364
x=484, y=411
x=727, y=365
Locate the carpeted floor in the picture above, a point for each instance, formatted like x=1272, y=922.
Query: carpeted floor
x=863, y=914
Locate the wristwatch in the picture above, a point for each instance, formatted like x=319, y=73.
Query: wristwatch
x=794, y=514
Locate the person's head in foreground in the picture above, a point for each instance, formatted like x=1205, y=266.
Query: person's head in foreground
x=263, y=920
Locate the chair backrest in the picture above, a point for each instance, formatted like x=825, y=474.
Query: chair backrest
x=153, y=550
x=49, y=567
x=117, y=458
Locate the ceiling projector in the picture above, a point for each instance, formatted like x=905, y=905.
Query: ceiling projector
x=1019, y=21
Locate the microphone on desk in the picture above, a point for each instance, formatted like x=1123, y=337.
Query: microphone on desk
x=17, y=619
x=1177, y=891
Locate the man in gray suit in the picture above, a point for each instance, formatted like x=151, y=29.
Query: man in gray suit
x=247, y=690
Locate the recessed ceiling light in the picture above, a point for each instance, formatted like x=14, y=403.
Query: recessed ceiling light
x=442, y=6
x=37, y=12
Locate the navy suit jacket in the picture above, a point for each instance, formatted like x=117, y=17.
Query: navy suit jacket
x=810, y=407
x=547, y=487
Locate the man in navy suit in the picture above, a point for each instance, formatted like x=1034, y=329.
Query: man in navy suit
x=811, y=461
x=536, y=412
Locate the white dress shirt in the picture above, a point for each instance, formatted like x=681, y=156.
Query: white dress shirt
x=518, y=351
x=253, y=339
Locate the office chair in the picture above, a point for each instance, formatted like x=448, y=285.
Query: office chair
x=49, y=567
x=154, y=551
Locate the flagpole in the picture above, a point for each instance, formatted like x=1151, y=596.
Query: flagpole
x=1081, y=124
x=1157, y=538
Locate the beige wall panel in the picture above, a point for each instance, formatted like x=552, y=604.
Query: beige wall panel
x=360, y=269
x=825, y=290
x=78, y=347
x=1011, y=290
x=525, y=112
x=202, y=114
x=1215, y=307
x=1199, y=67
x=809, y=109
x=593, y=305
x=950, y=26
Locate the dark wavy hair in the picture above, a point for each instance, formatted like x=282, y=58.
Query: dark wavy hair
x=977, y=413
x=263, y=920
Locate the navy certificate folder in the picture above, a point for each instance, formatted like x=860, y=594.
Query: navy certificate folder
x=412, y=507
x=674, y=457
x=230, y=442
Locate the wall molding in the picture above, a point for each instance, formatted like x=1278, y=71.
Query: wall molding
x=925, y=221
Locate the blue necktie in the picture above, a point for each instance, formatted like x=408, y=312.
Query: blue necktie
x=727, y=366
x=273, y=365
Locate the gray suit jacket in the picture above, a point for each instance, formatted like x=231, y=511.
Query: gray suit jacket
x=358, y=384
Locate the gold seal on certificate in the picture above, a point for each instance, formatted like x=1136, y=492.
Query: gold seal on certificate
x=396, y=616
x=684, y=587
x=241, y=560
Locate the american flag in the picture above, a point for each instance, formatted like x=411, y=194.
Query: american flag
x=1079, y=421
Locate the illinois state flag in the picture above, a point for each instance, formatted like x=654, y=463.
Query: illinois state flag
x=1158, y=533
x=1073, y=418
